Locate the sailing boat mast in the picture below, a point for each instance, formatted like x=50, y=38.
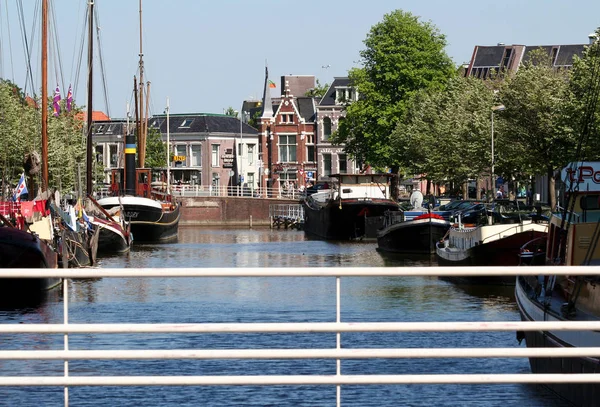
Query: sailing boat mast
x=142, y=128
x=44, y=102
x=89, y=102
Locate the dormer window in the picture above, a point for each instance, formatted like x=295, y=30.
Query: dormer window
x=100, y=128
x=345, y=95
x=186, y=123
x=110, y=129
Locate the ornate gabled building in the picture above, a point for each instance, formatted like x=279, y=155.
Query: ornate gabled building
x=287, y=130
x=330, y=111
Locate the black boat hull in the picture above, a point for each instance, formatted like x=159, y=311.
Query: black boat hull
x=412, y=236
x=149, y=220
x=350, y=219
x=20, y=249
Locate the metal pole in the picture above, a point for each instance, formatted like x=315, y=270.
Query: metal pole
x=168, y=152
x=493, y=183
x=241, y=148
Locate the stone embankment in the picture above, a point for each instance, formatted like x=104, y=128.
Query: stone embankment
x=228, y=211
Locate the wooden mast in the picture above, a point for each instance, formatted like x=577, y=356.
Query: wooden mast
x=141, y=134
x=89, y=103
x=44, y=102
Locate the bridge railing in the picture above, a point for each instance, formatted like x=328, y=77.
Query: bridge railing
x=337, y=354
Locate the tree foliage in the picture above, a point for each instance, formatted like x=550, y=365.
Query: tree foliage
x=20, y=134
x=318, y=91
x=535, y=138
x=156, y=150
x=402, y=55
x=583, y=109
x=230, y=111
x=445, y=135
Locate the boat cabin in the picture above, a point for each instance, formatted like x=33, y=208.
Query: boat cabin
x=367, y=186
x=573, y=225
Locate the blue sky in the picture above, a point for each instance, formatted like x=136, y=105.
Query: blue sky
x=209, y=55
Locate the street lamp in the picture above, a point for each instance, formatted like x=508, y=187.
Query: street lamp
x=498, y=108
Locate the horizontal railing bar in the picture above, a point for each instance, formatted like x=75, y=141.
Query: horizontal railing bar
x=71, y=381
x=306, y=327
x=423, y=353
x=303, y=272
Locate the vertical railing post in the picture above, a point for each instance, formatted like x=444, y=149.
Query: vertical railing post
x=66, y=337
x=338, y=319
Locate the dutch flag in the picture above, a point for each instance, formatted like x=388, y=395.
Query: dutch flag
x=20, y=189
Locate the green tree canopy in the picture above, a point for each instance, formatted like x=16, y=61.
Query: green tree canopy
x=156, y=150
x=318, y=91
x=402, y=55
x=533, y=137
x=445, y=135
x=584, y=102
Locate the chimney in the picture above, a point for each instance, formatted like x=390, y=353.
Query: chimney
x=500, y=44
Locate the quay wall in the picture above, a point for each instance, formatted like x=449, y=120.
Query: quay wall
x=227, y=211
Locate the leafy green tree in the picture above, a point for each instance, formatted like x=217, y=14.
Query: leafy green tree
x=584, y=102
x=445, y=135
x=156, y=150
x=402, y=56
x=533, y=137
x=66, y=149
x=318, y=91
x=230, y=111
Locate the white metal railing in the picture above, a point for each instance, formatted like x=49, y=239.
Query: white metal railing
x=186, y=190
x=338, y=354
x=288, y=211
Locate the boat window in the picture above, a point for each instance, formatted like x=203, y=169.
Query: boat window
x=589, y=202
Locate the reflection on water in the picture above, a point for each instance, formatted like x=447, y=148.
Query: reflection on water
x=290, y=299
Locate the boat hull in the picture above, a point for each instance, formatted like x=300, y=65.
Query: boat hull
x=580, y=394
x=149, y=220
x=20, y=249
x=112, y=239
x=412, y=236
x=350, y=219
x=500, y=252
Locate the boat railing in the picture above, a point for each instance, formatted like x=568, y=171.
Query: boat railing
x=334, y=355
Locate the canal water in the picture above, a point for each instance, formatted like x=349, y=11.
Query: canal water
x=245, y=300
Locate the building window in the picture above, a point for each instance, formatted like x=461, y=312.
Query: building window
x=326, y=128
x=215, y=155
x=196, y=155
x=310, y=148
x=506, y=59
x=554, y=55
x=287, y=149
x=251, y=181
x=251, y=154
x=186, y=124
x=310, y=154
x=343, y=163
x=100, y=155
x=180, y=152
x=113, y=151
x=326, y=165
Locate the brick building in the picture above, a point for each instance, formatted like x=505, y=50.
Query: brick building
x=287, y=130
